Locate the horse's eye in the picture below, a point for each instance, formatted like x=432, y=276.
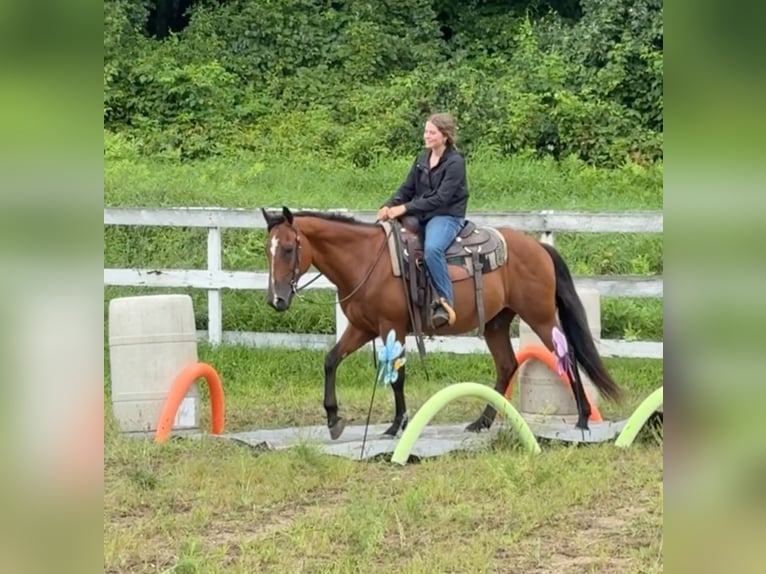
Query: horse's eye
x=288, y=250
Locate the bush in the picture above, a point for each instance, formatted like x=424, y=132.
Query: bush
x=355, y=80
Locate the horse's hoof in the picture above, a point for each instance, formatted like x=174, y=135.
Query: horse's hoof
x=396, y=426
x=477, y=426
x=582, y=424
x=337, y=429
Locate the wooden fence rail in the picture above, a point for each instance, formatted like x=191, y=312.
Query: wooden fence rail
x=214, y=278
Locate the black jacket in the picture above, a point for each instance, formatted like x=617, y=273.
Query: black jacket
x=439, y=191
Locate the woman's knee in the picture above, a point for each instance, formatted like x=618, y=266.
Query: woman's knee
x=433, y=251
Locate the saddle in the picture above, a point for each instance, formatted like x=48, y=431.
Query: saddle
x=474, y=252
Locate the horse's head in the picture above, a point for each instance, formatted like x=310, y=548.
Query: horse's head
x=287, y=257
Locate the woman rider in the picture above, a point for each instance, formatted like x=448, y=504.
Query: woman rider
x=435, y=192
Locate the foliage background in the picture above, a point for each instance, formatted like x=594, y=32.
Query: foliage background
x=353, y=80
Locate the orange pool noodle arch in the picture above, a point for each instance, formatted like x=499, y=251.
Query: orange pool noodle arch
x=546, y=357
x=178, y=390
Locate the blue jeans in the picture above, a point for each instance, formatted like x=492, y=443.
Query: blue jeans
x=441, y=231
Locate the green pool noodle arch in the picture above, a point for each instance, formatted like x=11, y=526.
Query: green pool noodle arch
x=637, y=420
x=445, y=396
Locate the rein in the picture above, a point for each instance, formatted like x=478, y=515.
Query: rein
x=294, y=280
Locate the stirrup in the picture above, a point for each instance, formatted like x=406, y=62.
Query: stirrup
x=451, y=316
x=439, y=318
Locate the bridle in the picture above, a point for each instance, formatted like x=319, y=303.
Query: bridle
x=297, y=265
x=297, y=268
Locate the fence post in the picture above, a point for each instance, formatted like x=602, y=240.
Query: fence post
x=546, y=236
x=214, y=305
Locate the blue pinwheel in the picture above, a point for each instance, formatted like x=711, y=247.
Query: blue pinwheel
x=390, y=359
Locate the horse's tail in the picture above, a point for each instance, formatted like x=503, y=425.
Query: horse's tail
x=575, y=325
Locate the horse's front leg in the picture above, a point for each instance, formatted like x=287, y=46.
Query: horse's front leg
x=400, y=408
x=497, y=335
x=350, y=341
x=400, y=414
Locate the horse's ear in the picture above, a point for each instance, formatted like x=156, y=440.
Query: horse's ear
x=288, y=215
x=267, y=217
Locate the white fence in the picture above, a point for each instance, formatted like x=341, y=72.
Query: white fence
x=214, y=278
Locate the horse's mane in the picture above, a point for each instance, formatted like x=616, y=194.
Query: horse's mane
x=327, y=216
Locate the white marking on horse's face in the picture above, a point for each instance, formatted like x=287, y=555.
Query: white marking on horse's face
x=273, y=250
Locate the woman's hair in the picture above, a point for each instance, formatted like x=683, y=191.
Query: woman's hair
x=445, y=123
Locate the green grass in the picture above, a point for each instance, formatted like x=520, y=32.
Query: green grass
x=495, y=184
x=207, y=506
x=194, y=507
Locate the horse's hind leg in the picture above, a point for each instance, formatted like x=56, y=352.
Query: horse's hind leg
x=497, y=335
x=544, y=330
x=350, y=341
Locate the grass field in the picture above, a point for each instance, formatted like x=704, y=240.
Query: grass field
x=212, y=507
x=191, y=506
x=254, y=182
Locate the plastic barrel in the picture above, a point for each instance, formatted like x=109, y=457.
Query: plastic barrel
x=151, y=339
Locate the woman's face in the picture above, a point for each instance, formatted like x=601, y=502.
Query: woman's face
x=432, y=137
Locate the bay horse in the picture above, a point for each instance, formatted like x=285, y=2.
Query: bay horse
x=532, y=282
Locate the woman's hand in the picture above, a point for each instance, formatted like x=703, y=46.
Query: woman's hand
x=383, y=213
